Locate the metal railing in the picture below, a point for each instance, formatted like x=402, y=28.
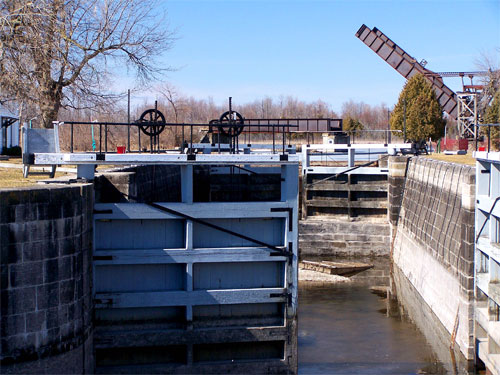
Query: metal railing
x=214, y=129
x=489, y=126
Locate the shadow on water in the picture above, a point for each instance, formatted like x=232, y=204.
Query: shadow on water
x=346, y=329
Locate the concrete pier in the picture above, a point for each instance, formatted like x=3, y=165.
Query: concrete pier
x=46, y=280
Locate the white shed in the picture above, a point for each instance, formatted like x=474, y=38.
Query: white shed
x=9, y=128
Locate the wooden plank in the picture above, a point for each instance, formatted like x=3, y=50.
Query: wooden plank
x=335, y=268
x=194, y=298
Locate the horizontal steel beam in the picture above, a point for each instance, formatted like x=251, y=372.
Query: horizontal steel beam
x=364, y=146
x=210, y=210
x=126, y=159
x=194, y=298
x=198, y=255
x=336, y=170
x=109, y=338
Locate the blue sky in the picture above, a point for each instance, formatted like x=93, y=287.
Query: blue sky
x=307, y=49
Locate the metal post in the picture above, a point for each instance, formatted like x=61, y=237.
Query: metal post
x=489, y=136
x=191, y=145
x=105, y=137
x=128, y=121
x=100, y=138
x=231, y=150
x=71, y=147
x=476, y=128
x=152, y=138
x=273, y=141
x=290, y=134
x=139, y=138
x=388, y=127
x=284, y=143
x=351, y=152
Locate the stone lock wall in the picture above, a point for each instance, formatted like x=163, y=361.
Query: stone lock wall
x=434, y=242
x=398, y=166
x=46, y=279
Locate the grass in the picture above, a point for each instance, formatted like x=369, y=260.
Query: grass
x=13, y=177
x=10, y=177
x=466, y=159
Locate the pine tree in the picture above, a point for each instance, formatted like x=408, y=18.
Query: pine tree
x=351, y=125
x=492, y=116
x=424, y=115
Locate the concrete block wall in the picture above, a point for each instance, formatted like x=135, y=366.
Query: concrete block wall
x=46, y=279
x=397, y=166
x=438, y=210
x=335, y=238
x=434, y=242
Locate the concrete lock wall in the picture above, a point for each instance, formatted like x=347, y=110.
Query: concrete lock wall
x=46, y=279
x=434, y=240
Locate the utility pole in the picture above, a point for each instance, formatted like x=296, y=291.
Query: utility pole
x=389, y=138
x=128, y=120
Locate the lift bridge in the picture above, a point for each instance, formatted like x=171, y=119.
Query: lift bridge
x=462, y=106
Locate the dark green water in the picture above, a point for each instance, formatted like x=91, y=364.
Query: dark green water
x=345, y=329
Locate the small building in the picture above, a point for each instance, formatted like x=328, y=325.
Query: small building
x=9, y=129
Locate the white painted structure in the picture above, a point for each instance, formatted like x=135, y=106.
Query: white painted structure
x=166, y=274
x=487, y=259
x=9, y=135
x=325, y=153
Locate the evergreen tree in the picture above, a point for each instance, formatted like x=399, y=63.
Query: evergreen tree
x=351, y=125
x=424, y=115
x=492, y=116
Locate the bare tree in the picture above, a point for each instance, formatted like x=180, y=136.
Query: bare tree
x=177, y=103
x=490, y=63
x=172, y=96
x=60, y=52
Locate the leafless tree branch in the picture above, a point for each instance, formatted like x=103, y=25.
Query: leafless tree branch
x=57, y=53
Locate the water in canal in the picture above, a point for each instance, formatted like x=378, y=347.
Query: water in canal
x=346, y=329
